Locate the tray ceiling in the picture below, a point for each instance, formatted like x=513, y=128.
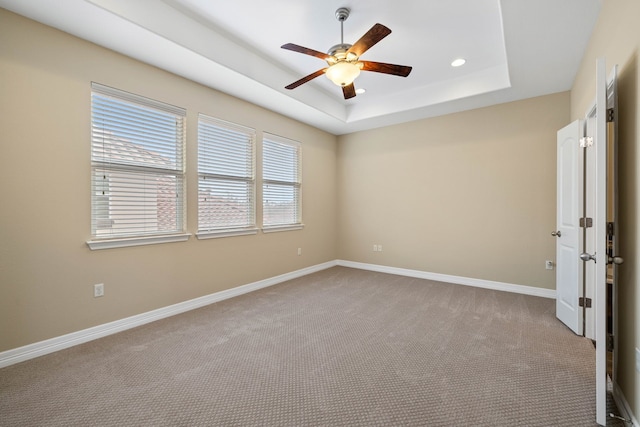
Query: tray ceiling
x=514, y=49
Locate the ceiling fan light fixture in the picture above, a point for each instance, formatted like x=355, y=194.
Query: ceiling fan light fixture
x=343, y=59
x=343, y=73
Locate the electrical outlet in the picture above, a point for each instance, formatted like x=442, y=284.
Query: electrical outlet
x=375, y=248
x=299, y=251
x=98, y=290
x=379, y=248
x=548, y=265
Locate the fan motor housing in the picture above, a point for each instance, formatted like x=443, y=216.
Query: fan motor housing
x=339, y=50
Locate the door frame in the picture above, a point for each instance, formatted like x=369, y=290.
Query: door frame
x=599, y=247
x=613, y=209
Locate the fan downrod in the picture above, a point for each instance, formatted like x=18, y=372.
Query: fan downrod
x=341, y=49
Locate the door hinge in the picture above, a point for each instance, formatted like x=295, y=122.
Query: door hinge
x=610, y=228
x=586, y=141
x=586, y=222
x=610, y=115
x=610, y=342
x=584, y=302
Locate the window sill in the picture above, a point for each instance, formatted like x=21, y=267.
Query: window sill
x=136, y=241
x=213, y=234
x=277, y=228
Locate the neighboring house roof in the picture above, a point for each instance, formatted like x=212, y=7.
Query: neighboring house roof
x=107, y=147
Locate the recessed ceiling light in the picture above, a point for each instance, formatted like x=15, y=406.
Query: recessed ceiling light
x=458, y=62
x=360, y=91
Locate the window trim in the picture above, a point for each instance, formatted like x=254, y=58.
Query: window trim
x=272, y=228
x=278, y=228
x=136, y=241
x=212, y=232
x=97, y=242
x=215, y=234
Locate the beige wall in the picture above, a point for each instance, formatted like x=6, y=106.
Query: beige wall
x=469, y=194
x=617, y=38
x=46, y=269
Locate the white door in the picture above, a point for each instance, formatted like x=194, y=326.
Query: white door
x=568, y=232
x=592, y=195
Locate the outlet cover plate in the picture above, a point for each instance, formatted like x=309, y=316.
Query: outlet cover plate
x=98, y=290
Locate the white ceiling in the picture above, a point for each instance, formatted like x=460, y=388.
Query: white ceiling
x=515, y=49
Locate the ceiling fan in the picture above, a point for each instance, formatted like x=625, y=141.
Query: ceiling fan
x=344, y=59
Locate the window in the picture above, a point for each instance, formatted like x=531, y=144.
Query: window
x=137, y=163
x=226, y=178
x=281, y=183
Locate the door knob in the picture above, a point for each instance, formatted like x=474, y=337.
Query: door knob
x=588, y=257
x=617, y=260
x=556, y=233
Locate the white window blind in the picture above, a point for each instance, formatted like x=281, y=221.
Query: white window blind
x=226, y=176
x=281, y=181
x=137, y=158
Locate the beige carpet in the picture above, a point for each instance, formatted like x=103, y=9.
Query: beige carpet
x=339, y=347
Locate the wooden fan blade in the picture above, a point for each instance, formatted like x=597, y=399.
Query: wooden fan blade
x=373, y=36
x=349, y=91
x=305, y=50
x=381, y=67
x=306, y=79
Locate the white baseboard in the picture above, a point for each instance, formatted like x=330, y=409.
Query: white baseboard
x=459, y=280
x=623, y=405
x=41, y=348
